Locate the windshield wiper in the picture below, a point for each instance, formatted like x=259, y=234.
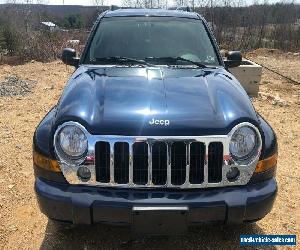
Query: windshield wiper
x=122, y=59
x=170, y=58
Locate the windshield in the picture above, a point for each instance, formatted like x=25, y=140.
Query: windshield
x=153, y=39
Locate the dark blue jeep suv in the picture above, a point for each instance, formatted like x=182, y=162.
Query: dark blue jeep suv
x=153, y=131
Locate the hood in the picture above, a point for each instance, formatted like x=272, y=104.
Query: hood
x=154, y=101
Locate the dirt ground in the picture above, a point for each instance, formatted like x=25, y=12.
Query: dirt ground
x=23, y=226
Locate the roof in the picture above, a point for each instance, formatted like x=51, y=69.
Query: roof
x=151, y=12
x=50, y=24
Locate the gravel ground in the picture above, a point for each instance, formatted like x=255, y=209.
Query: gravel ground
x=13, y=86
x=23, y=226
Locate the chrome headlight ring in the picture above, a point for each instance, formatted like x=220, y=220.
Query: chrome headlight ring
x=253, y=154
x=61, y=151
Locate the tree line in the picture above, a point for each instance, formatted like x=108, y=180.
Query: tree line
x=235, y=25
x=255, y=26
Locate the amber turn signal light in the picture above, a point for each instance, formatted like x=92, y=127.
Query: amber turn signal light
x=44, y=162
x=266, y=164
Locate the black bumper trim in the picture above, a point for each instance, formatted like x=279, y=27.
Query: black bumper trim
x=87, y=205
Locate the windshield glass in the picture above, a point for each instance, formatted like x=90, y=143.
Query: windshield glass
x=152, y=39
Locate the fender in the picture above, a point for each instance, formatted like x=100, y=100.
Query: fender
x=42, y=141
x=270, y=146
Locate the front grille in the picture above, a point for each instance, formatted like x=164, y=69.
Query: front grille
x=215, y=160
x=158, y=163
x=121, y=162
x=102, y=152
x=140, y=163
x=178, y=163
x=197, y=160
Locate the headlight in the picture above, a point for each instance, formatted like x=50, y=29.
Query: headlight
x=244, y=143
x=71, y=143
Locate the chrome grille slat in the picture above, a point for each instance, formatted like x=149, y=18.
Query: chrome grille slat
x=149, y=164
x=169, y=148
x=112, y=159
x=130, y=169
x=187, y=159
x=206, y=163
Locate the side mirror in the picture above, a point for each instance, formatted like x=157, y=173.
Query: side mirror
x=234, y=59
x=69, y=57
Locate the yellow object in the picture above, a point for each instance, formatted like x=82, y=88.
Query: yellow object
x=266, y=164
x=45, y=162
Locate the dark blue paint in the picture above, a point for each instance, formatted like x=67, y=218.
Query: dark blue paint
x=42, y=138
x=86, y=205
x=122, y=101
x=269, y=139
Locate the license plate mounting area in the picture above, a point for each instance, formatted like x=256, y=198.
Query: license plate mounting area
x=159, y=220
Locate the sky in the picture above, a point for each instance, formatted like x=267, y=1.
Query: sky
x=118, y=2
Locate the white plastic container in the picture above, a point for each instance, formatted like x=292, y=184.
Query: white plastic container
x=249, y=75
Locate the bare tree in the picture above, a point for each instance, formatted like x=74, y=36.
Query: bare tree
x=145, y=3
x=98, y=2
x=41, y=1
x=182, y=3
x=11, y=1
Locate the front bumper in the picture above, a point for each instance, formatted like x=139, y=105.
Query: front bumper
x=86, y=205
